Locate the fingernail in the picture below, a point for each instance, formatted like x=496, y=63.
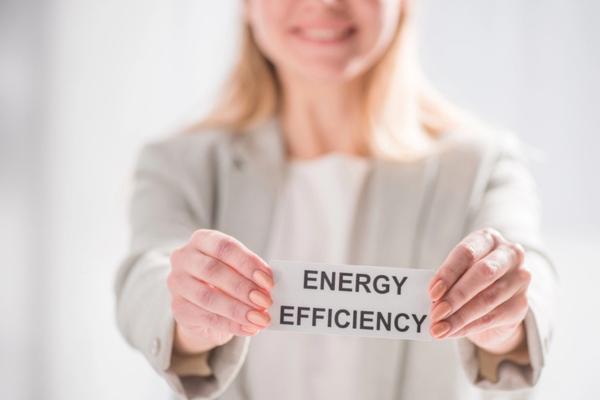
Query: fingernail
x=249, y=329
x=440, y=328
x=438, y=290
x=258, y=318
x=260, y=299
x=262, y=279
x=441, y=311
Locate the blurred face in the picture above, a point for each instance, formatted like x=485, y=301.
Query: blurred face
x=325, y=41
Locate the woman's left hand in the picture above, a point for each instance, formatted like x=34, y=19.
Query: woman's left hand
x=479, y=292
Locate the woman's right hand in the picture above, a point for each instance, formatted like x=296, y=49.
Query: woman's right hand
x=219, y=288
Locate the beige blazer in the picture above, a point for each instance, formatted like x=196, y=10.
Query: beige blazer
x=415, y=213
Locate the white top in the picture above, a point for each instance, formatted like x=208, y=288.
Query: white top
x=316, y=209
x=313, y=222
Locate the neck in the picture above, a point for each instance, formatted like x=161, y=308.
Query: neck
x=320, y=118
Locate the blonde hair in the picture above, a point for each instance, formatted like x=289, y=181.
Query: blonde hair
x=402, y=114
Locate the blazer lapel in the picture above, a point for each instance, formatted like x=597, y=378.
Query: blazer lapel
x=253, y=172
x=391, y=213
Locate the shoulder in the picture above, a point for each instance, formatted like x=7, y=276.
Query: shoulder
x=478, y=157
x=187, y=163
x=187, y=147
x=196, y=154
x=481, y=146
x=210, y=147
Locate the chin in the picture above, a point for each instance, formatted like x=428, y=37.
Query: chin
x=326, y=73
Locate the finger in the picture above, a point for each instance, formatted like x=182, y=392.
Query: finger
x=191, y=316
x=488, y=299
x=470, y=250
x=215, y=301
x=509, y=313
x=222, y=276
x=232, y=252
x=478, y=277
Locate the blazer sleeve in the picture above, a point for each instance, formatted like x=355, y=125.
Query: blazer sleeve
x=161, y=220
x=510, y=204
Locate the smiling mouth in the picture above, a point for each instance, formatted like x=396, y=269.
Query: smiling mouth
x=323, y=35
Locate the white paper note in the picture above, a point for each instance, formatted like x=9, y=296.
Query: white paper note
x=354, y=300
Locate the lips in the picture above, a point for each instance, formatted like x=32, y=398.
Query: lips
x=324, y=35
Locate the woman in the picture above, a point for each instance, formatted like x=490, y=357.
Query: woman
x=329, y=147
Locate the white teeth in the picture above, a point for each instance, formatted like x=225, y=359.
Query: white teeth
x=326, y=34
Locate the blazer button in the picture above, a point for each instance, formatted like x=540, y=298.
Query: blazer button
x=238, y=162
x=155, y=347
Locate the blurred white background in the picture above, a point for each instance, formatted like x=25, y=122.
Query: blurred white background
x=84, y=83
